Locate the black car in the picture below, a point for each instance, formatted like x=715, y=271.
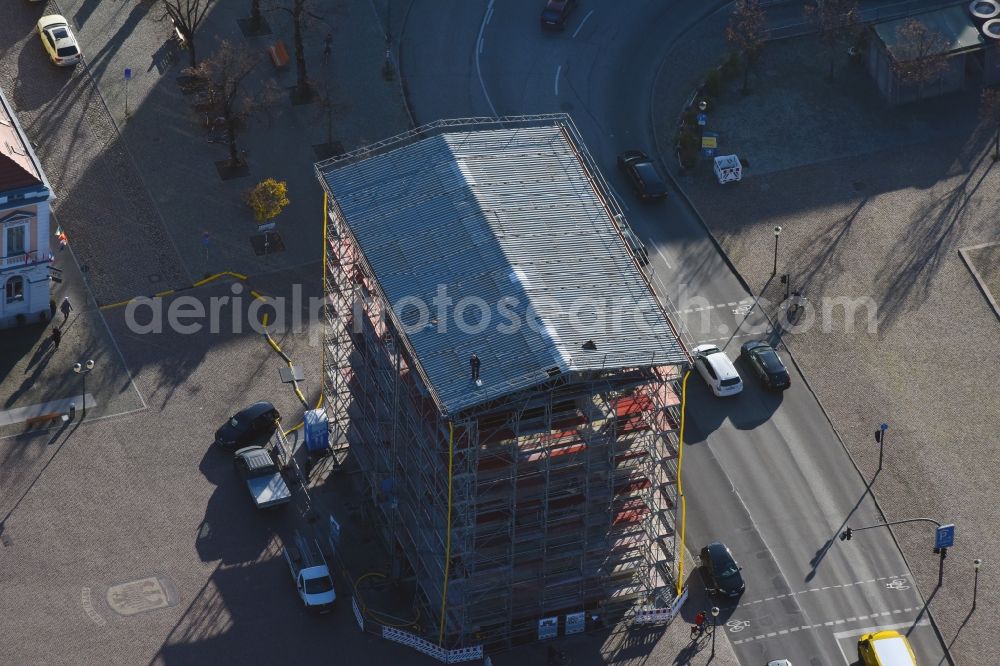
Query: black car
x=766, y=364
x=645, y=177
x=556, y=12
x=720, y=571
x=258, y=420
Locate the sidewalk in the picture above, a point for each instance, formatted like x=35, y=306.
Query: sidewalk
x=33, y=373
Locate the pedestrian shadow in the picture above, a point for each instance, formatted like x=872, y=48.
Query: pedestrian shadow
x=44, y=356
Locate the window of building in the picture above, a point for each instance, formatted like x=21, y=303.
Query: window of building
x=14, y=289
x=17, y=235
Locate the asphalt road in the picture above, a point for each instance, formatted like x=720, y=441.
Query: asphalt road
x=764, y=473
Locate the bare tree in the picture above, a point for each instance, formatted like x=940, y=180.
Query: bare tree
x=300, y=11
x=989, y=111
x=747, y=32
x=837, y=21
x=920, y=54
x=186, y=16
x=227, y=70
x=327, y=107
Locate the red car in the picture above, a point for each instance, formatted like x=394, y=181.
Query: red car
x=556, y=12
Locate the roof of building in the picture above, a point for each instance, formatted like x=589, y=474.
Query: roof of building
x=18, y=166
x=507, y=212
x=953, y=23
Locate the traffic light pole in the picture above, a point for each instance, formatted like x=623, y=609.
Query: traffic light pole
x=943, y=552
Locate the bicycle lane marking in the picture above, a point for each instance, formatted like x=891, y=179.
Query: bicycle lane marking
x=897, y=582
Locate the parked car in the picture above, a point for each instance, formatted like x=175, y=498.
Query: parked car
x=256, y=421
x=885, y=648
x=766, y=364
x=556, y=12
x=717, y=370
x=58, y=40
x=635, y=246
x=720, y=571
x=256, y=467
x=643, y=174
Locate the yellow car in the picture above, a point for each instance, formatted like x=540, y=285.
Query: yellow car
x=885, y=648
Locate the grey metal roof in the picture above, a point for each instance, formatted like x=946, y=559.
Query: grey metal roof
x=506, y=214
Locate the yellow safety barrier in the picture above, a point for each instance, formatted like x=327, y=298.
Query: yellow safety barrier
x=680, y=487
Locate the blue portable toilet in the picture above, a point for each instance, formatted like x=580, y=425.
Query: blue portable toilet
x=317, y=430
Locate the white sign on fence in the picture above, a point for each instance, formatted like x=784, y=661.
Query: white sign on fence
x=575, y=623
x=548, y=627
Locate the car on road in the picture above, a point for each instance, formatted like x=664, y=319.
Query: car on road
x=556, y=12
x=256, y=421
x=885, y=648
x=58, y=40
x=766, y=364
x=258, y=470
x=720, y=571
x=643, y=174
x=717, y=370
x=635, y=246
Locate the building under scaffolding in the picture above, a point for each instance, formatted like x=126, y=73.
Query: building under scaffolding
x=504, y=375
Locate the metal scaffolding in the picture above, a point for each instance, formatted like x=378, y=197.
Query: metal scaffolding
x=562, y=495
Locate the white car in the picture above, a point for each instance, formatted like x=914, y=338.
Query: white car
x=58, y=40
x=717, y=370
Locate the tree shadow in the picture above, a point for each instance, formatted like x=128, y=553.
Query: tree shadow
x=919, y=254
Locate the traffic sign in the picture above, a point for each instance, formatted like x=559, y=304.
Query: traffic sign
x=128, y=73
x=702, y=118
x=945, y=536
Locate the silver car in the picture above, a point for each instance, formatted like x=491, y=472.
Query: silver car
x=59, y=41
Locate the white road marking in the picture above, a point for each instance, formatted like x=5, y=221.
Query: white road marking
x=489, y=13
x=900, y=577
x=661, y=253
x=883, y=627
x=580, y=27
x=558, y=70
x=837, y=636
x=479, y=71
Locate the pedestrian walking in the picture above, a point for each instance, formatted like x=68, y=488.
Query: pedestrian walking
x=66, y=308
x=56, y=338
x=699, y=624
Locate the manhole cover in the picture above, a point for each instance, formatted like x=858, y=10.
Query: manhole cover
x=140, y=596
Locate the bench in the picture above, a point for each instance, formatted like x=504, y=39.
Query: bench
x=279, y=54
x=42, y=419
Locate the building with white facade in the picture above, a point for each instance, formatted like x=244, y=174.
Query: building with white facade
x=25, y=256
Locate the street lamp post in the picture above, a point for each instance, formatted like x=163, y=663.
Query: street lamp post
x=83, y=370
x=975, y=585
x=880, y=438
x=715, y=624
x=777, y=232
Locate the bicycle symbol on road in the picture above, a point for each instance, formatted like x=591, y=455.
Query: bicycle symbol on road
x=897, y=584
x=742, y=309
x=736, y=626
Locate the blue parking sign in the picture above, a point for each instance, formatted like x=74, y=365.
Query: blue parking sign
x=945, y=536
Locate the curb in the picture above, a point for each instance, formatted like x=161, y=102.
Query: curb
x=979, y=278
x=743, y=282
x=399, y=67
